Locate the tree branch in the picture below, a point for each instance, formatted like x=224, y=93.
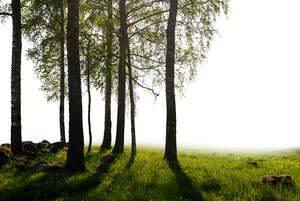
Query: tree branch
x=148, y=16
x=147, y=88
x=147, y=4
x=143, y=29
x=5, y=14
x=148, y=58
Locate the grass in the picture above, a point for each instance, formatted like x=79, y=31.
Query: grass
x=199, y=176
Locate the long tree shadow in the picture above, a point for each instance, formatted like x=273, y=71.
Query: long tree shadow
x=51, y=185
x=130, y=161
x=185, y=187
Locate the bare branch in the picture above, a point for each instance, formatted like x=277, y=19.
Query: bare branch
x=147, y=58
x=147, y=27
x=5, y=14
x=148, y=4
x=148, y=16
x=147, y=88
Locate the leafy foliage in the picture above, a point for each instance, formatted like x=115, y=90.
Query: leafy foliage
x=41, y=27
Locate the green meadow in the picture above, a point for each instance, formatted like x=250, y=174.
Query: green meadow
x=199, y=175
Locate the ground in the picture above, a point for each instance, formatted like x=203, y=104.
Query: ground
x=209, y=176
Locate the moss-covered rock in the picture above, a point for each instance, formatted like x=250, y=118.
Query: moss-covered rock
x=5, y=155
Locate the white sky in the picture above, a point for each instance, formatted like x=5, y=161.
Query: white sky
x=246, y=95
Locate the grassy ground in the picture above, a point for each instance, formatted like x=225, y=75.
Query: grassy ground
x=200, y=176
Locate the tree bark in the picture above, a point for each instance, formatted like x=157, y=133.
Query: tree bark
x=119, y=144
x=75, y=155
x=62, y=74
x=131, y=95
x=16, y=135
x=106, y=144
x=89, y=97
x=171, y=146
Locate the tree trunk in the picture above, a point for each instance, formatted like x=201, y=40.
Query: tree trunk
x=75, y=160
x=171, y=147
x=119, y=145
x=106, y=144
x=131, y=95
x=62, y=74
x=16, y=135
x=89, y=95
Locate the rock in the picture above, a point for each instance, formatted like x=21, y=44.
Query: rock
x=284, y=180
x=6, y=145
x=253, y=163
x=21, y=160
x=107, y=160
x=50, y=166
x=29, y=146
x=5, y=155
x=30, y=154
x=44, y=151
x=20, y=163
x=56, y=147
x=30, y=149
x=43, y=144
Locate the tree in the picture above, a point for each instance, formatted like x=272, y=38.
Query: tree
x=44, y=27
x=75, y=154
x=89, y=95
x=131, y=97
x=106, y=143
x=147, y=23
x=16, y=127
x=62, y=73
x=171, y=147
x=92, y=51
x=119, y=144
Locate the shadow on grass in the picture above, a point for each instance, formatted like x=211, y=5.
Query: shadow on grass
x=130, y=161
x=186, y=189
x=50, y=185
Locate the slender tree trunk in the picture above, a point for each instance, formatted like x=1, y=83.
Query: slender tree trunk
x=106, y=144
x=171, y=146
x=62, y=74
x=75, y=160
x=119, y=145
x=89, y=95
x=16, y=135
x=131, y=95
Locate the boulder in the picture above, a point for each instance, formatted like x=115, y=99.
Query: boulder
x=43, y=145
x=283, y=180
x=50, y=166
x=253, y=163
x=44, y=151
x=20, y=163
x=56, y=147
x=6, y=145
x=5, y=155
x=29, y=146
x=45, y=142
x=30, y=149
